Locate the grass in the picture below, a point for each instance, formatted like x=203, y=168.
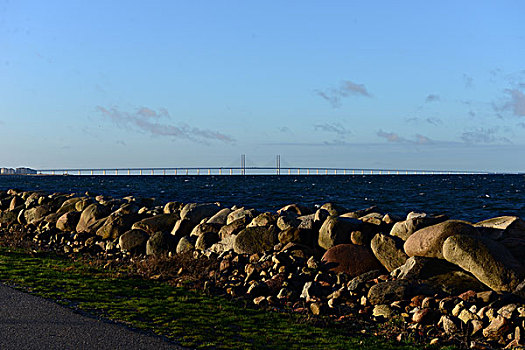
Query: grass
x=189, y=318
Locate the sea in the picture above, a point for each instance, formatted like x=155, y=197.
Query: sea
x=466, y=197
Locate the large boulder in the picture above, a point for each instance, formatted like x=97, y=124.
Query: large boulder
x=68, y=221
x=224, y=245
x=508, y=230
x=489, y=261
x=418, y=268
x=334, y=209
x=195, y=212
x=351, y=259
x=203, y=228
x=160, y=243
x=389, y=251
x=161, y=222
x=36, y=214
x=185, y=244
x=68, y=205
x=295, y=208
x=390, y=291
x=428, y=241
x=220, y=218
x=182, y=228
x=92, y=218
x=404, y=229
x=297, y=235
x=255, y=240
x=264, y=219
x=232, y=228
x=336, y=230
x=133, y=241
x=116, y=224
x=241, y=213
x=206, y=240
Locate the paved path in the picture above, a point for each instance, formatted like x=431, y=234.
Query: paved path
x=31, y=322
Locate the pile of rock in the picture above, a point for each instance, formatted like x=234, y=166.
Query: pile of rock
x=449, y=279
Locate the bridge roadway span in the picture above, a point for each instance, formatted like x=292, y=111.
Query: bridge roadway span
x=248, y=171
x=30, y=322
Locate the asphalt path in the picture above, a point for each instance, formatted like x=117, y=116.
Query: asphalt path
x=30, y=322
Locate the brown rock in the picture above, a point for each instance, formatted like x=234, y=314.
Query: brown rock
x=428, y=242
x=351, y=259
x=388, y=250
x=336, y=231
x=497, y=329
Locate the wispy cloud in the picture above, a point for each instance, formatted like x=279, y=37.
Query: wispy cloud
x=396, y=138
x=468, y=80
x=147, y=120
x=346, y=88
x=430, y=120
x=483, y=136
x=285, y=129
x=432, y=98
x=516, y=103
x=335, y=128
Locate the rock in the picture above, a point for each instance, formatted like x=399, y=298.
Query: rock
x=449, y=324
x=404, y=229
x=334, y=209
x=233, y=228
x=428, y=241
x=195, y=212
x=36, y=214
x=133, y=241
x=423, y=316
x=295, y=208
x=206, y=240
x=32, y=200
x=297, y=235
x=16, y=202
x=358, y=281
x=115, y=225
x=224, y=245
x=162, y=222
x=288, y=222
x=68, y=221
x=382, y=310
x=182, y=228
x=90, y=219
x=264, y=219
x=418, y=267
x=320, y=216
x=390, y=291
x=185, y=244
x=336, y=231
x=220, y=218
x=247, y=214
x=160, y=243
x=203, y=228
x=311, y=290
x=351, y=259
x=171, y=208
x=388, y=250
x=253, y=240
x=465, y=316
x=497, y=328
x=455, y=282
x=308, y=222
x=487, y=260
x=502, y=227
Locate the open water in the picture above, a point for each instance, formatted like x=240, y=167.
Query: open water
x=467, y=197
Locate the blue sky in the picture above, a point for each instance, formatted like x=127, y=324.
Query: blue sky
x=410, y=84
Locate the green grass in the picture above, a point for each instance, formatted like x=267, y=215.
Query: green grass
x=192, y=319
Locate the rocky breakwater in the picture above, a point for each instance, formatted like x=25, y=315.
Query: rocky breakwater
x=445, y=280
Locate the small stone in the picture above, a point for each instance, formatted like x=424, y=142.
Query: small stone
x=448, y=324
x=317, y=308
x=457, y=309
x=429, y=302
x=497, y=328
x=508, y=311
x=477, y=325
x=423, y=316
x=382, y=310
x=434, y=341
x=465, y=316
x=260, y=301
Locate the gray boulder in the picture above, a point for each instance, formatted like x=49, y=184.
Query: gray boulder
x=489, y=261
x=404, y=229
x=336, y=231
x=255, y=240
x=185, y=244
x=162, y=222
x=206, y=240
x=220, y=218
x=160, y=243
x=68, y=221
x=92, y=218
x=195, y=212
x=133, y=241
x=389, y=251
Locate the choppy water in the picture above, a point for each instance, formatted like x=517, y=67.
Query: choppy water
x=468, y=197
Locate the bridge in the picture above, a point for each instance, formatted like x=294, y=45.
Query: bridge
x=249, y=170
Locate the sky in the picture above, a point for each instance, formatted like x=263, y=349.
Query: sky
x=353, y=84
